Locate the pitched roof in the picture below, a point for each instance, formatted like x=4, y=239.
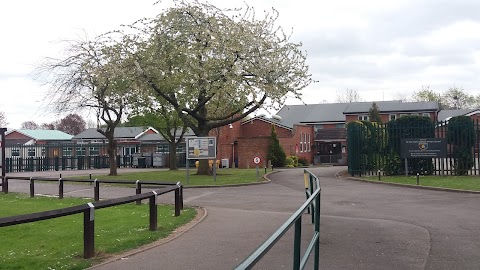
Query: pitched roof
x=268, y=120
x=335, y=112
x=392, y=106
x=44, y=135
x=120, y=133
x=447, y=114
x=312, y=113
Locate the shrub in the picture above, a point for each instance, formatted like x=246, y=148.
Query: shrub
x=275, y=151
x=295, y=160
x=461, y=135
x=303, y=161
x=290, y=162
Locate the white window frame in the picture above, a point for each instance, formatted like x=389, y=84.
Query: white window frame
x=363, y=117
x=426, y=114
x=392, y=116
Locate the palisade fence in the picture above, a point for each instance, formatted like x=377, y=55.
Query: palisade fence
x=374, y=148
x=48, y=157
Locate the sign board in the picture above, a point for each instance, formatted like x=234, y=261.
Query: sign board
x=256, y=160
x=202, y=148
x=423, y=148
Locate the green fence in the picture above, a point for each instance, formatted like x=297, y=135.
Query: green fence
x=48, y=157
x=375, y=148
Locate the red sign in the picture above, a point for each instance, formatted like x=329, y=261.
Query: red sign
x=256, y=160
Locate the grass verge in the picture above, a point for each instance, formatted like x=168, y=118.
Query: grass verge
x=224, y=177
x=453, y=182
x=58, y=243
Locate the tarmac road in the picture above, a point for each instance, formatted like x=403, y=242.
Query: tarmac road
x=363, y=225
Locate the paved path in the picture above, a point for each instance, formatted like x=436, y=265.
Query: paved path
x=363, y=226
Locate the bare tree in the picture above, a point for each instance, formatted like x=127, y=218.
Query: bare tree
x=3, y=119
x=348, y=96
x=92, y=76
x=48, y=126
x=71, y=124
x=29, y=125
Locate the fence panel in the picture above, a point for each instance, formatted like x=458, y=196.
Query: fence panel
x=375, y=148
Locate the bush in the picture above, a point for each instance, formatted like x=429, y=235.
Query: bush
x=276, y=155
x=461, y=135
x=295, y=160
x=303, y=161
x=290, y=162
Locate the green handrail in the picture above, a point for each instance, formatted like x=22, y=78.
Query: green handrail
x=312, y=185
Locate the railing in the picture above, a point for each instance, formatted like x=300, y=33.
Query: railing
x=96, y=184
x=312, y=205
x=89, y=209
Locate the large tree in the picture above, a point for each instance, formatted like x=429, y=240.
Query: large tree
x=219, y=65
x=71, y=124
x=93, y=75
x=29, y=125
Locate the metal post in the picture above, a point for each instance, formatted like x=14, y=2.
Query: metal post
x=258, y=174
x=379, y=177
x=188, y=180
x=5, y=185
x=312, y=209
x=177, y=202
x=297, y=243
x=152, y=201
x=316, y=260
x=214, y=171
x=406, y=167
x=60, y=188
x=138, y=190
x=96, y=189
x=32, y=188
x=89, y=232
x=418, y=180
x=181, y=197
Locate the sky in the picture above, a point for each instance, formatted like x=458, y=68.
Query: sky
x=382, y=49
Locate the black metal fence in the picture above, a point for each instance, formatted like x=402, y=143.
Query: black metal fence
x=375, y=148
x=56, y=157
x=89, y=209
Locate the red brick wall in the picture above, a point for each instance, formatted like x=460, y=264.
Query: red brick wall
x=248, y=148
x=259, y=128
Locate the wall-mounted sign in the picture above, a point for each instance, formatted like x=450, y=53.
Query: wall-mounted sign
x=423, y=148
x=201, y=148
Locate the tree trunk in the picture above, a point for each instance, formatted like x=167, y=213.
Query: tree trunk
x=112, y=154
x=173, y=156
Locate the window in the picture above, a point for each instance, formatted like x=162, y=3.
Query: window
x=308, y=143
x=80, y=151
x=67, y=151
x=94, y=151
x=392, y=117
x=426, y=114
x=363, y=117
x=301, y=142
x=317, y=127
x=31, y=152
x=403, y=114
x=15, y=151
x=340, y=126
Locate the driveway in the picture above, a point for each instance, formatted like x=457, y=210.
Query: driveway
x=363, y=225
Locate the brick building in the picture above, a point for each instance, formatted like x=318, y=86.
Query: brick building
x=241, y=141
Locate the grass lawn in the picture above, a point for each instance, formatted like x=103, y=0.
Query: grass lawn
x=455, y=182
x=58, y=243
x=224, y=177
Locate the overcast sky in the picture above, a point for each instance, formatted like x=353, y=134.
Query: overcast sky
x=383, y=49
